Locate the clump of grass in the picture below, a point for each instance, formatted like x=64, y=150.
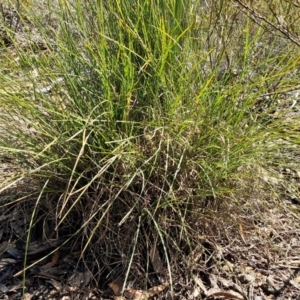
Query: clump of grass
x=154, y=118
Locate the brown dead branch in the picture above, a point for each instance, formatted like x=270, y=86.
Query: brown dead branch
x=280, y=27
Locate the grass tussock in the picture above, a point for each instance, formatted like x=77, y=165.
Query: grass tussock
x=159, y=115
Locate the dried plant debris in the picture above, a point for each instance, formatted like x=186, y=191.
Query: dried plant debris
x=264, y=264
x=18, y=30
x=132, y=294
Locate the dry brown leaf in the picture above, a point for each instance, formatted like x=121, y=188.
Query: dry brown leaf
x=116, y=287
x=27, y=296
x=136, y=294
x=53, y=261
x=213, y=281
x=227, y=294
x=230, y=284
x=297, y=279
x=157, y=289
x=144, y=295
x=132, y=294
x=242, y=233
x=296, y=282
x=200, y=284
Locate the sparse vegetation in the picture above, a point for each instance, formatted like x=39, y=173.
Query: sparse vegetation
x=129, y=128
